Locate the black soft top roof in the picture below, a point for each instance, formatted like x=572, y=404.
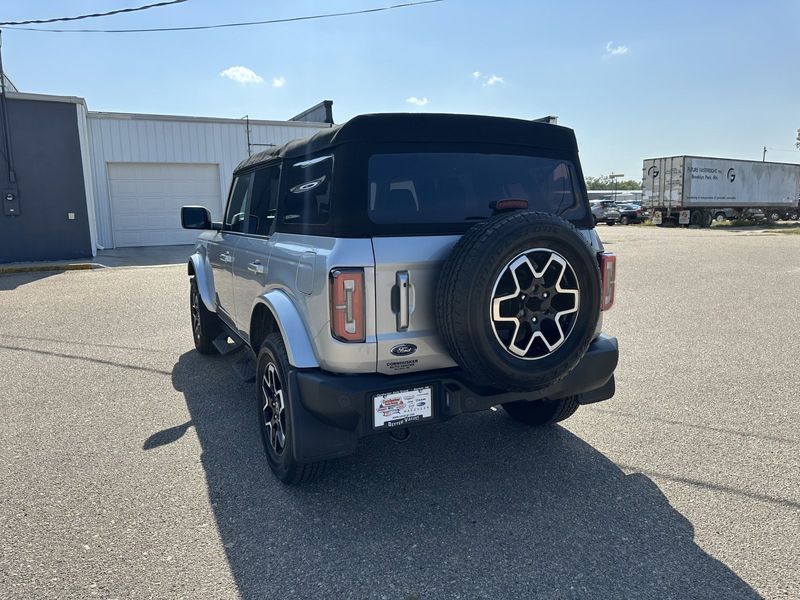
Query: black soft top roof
x=428, y=127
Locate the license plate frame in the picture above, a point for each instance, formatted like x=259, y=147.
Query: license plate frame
x=399, y=408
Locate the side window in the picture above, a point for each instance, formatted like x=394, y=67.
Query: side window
x=307, y=192
x=264, y=200
x=237, y=205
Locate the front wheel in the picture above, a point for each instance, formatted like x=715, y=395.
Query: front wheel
x=542, y=412
x=625, y=221
x=274, y=405
x=610, y=223
x=205, y=324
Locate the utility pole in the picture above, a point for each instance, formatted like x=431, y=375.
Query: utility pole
x=613, y=177
x=764, y=155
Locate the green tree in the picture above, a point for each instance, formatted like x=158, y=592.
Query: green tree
x=604, y=182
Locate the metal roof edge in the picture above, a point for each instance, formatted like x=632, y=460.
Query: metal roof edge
x=190, y=119
x=45, y=97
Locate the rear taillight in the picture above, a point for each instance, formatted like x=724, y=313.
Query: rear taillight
x=608, y=276
x=347, y=304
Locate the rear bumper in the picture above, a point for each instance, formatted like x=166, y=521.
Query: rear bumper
x=334, y=411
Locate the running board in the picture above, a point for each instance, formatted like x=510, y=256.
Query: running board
x=245, y=367
x=226, y=344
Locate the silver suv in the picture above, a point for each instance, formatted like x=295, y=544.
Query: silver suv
x=400, y=270
x=606, y=211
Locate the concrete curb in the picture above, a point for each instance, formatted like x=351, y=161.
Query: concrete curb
x=12, y=269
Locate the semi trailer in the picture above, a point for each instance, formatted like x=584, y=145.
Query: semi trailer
x=695, y=190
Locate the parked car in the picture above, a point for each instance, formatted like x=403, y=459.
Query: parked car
x=630, y=213
x=605, y=211
x=385, y=274
x=732, y=214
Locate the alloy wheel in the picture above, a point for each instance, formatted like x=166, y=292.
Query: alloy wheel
x=195, y=310
x=272, y=412
x=535, y=304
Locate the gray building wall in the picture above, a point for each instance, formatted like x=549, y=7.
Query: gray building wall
x=47, y=158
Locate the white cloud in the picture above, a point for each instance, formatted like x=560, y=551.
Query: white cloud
x=278, y=81
x=241, y=75
x=417, y=101
x=487, y=79
x=612, y=50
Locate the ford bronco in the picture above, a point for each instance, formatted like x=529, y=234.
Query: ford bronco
x=402, y=269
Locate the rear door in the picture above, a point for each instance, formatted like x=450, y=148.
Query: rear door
x=422, y=192
x=251, y=267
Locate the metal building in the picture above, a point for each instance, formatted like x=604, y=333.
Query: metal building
x=91, y=180
x=145, y=167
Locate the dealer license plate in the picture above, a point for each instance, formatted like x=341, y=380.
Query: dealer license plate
x=396, y=409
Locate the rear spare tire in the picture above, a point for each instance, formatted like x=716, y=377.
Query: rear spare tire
x=518, y=300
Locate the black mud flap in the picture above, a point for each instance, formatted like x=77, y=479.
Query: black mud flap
x=604, y=392
x=313, y=440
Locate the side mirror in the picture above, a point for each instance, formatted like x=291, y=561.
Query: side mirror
x=196, y=217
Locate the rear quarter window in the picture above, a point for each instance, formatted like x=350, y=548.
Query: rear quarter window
x=306, y=191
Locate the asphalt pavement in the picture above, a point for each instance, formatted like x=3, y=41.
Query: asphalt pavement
x=131, y=467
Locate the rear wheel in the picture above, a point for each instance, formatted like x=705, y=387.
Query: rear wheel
x=719, y=217
x=542, y=412
x=773, y=215
x=625, y=220
x=794, y=215
x=696, y=218
x=205, y=324
x=609, y=223
x=274, y=402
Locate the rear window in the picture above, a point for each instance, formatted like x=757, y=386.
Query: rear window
x=459, y=187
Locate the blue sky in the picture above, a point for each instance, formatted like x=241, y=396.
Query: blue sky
x=634, y=79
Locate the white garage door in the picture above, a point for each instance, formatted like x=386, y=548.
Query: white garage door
x=146, y=201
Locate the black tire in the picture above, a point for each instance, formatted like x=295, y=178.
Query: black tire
x=696, y=218
x=205, y=324
x=272, y=369
x=625, y=220
x=466, y=294
x=594, y=219
x=794, y=215
x=610, y=223
x=708, y=218
x=720, y=216
x=542, y=412
x=773, y=216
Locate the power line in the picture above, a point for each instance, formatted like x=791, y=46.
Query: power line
x=242, y=24
x=93, y=15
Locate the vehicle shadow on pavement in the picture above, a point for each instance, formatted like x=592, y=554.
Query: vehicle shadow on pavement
x=479, y=507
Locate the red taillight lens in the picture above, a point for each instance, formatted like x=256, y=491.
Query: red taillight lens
x=347, y=304
x=608, y=277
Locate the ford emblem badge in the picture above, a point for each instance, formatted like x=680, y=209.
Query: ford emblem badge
x=403, y=349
